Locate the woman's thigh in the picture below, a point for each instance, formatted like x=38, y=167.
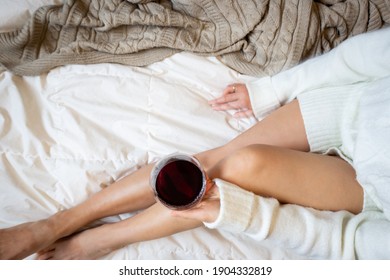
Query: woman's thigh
x=319, y=181
x=283, y=128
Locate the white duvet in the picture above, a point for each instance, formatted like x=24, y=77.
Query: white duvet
x=67, y=134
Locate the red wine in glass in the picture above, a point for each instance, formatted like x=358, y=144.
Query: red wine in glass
x=178, y=181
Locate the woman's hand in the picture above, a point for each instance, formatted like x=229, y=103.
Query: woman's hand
x=205, y=211
x=234, y=97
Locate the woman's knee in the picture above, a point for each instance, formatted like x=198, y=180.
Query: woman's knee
x=243, y=163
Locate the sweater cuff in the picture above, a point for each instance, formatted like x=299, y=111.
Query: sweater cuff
x=236, y=208
x=263, y=97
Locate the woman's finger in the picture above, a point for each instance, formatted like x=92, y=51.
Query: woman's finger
x=233, y=88
x=229, y=92
x=248, y=113
x=205, y=211
x=223, y=107
x=223, y=99
x=238, y=104
x=212, y=193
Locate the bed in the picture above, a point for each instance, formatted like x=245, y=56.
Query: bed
x=70, y=132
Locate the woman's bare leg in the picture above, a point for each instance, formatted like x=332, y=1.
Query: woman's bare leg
x=152, y=223
x=318, y=181
x=126, y=195
x=284, y=128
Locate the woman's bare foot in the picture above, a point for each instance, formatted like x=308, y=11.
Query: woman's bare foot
x=87, y=245
x=26, y=239
x=23, y=240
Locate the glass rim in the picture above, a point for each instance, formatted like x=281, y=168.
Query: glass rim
x=160, y=164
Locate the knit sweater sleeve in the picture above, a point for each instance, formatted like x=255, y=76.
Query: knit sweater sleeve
x=305, y=231
x=360, y=58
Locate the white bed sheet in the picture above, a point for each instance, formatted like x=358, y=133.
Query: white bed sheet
x=67, y=134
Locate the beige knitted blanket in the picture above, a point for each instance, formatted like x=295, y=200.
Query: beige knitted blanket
x=254, y=37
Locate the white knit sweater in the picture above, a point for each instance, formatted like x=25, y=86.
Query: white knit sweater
x=344, y=98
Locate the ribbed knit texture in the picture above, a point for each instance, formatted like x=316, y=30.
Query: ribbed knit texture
x=236, y=208
x=254, y=37
x=304, y=231
x=329, y=115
